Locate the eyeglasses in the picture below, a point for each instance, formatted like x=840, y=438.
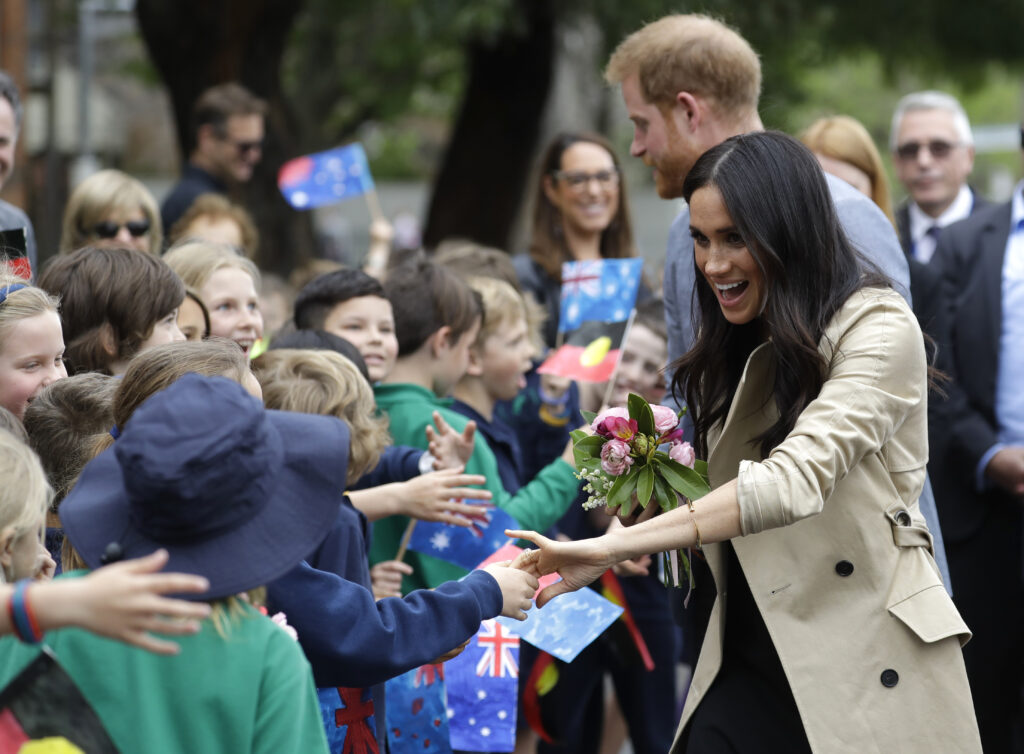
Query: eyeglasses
x=244, y=147
x=577, y=180
x=939, y=149
x=107, y=229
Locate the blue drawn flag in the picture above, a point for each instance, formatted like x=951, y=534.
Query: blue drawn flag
x=348, y=720
x=567, y=624
x=325, y=177
x=602, y=290
x=482, y=687
x=417, y=714
x=464, y=546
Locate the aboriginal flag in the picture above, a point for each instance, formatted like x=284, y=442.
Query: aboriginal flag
x=14, y=252
x=589, y=353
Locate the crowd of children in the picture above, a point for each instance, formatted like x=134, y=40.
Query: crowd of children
x=183, y=440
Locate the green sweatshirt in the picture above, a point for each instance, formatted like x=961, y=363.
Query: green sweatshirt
x=537, y=505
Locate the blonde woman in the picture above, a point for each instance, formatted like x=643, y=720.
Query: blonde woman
x=110, y=208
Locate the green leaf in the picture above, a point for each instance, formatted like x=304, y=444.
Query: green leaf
x=621, y=490
x=664, y=494
x=701, y=467
x=588, y=416
x=684, y=480
x=640, y=410
x=577, y=435
x=645, y=485
x=591, y=443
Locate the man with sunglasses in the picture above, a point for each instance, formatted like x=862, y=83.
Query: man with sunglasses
x=933, y=153
x=227, y=133
x=12, y=218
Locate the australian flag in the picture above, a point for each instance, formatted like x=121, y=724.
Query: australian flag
x=417, y=713
x=482, y=687
x=325, y=177
x=348, y=720
x=464, y=546
x=602, y=290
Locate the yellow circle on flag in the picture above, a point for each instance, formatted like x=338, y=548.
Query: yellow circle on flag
x=595, y=352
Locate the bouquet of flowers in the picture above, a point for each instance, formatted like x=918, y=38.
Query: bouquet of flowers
x=639, y=451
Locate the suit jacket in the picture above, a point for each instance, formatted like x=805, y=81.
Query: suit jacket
x=835, y=549
x=969, y=256
x=903, y=220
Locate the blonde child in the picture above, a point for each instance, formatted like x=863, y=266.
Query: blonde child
x=31, y=343
x=120, y=602
x=227, y=283
x=114, y=303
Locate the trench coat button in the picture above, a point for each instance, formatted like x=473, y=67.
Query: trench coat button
x=890, y=678
x=903, y=518
x=844, y=567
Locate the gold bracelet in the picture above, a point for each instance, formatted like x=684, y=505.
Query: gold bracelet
x=693, y=519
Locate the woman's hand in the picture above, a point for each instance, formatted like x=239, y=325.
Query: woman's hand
x=578, y=563
x=434, y=496
x=386, y=578
x=450, y=448
x=123, y=601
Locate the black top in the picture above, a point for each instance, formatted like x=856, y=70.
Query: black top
x=194, y=181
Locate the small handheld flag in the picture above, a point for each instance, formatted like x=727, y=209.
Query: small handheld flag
x=464, y=546
x=325, y=177
x=602, y=290
x=417, y=712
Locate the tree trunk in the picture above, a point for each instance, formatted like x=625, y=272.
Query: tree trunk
x=481, y=181
x=196, y=44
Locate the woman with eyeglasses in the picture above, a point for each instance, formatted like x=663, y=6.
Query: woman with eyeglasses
x=580, y=213
x=110, y=208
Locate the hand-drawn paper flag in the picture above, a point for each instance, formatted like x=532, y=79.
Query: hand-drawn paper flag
x=417, y=712
x=43, y=703
x=603, y=290
x=589, y=353
x=325, y=177
x=348, y=720
x=14, y=252
x=567, y=624
x=482, y=687
x=460, y=545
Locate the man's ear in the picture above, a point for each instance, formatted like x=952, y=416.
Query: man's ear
x=690, y=110
x=206, y=134
x=440, y=342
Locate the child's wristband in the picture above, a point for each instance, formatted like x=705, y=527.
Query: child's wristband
x=23, y=620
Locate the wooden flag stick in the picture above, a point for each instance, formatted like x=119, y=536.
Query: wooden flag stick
x=615, y=372
x=373, y=203
x=404, y=544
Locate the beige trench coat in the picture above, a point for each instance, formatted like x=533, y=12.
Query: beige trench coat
x=836, y=552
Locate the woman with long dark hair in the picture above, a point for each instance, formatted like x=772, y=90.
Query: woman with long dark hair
x=831, y=630
x=581, y=212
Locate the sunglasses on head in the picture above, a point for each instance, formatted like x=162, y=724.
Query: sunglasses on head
x=107, y=229
x=939, y=148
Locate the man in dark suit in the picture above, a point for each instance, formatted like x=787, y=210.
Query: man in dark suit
x=982, y=263
x=933, y=153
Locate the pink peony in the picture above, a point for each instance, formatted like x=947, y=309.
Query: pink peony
x=682, y=452
x=615, y=458
x=665, y=419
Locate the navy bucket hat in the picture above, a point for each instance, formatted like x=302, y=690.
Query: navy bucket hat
x=234, y=492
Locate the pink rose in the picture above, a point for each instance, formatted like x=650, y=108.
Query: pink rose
x=615, y=422
x=682, y=452
x=665, y=419
x=615, y=458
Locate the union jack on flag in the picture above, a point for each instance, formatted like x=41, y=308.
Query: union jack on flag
x=497, y=660
x=602, y=290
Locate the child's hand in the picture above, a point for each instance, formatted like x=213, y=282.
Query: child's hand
x=450, y=654
x=45, y=565
x=449, y=448
x=386, y=578
x=433, y=496
x=123, y=601
x=553, y=387
x=517, y=589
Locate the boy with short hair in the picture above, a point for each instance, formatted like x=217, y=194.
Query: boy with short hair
x=437, y=318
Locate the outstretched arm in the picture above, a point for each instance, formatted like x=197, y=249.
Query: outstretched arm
x=717, y=516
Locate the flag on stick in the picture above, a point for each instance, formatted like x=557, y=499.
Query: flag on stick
x=325, y=177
